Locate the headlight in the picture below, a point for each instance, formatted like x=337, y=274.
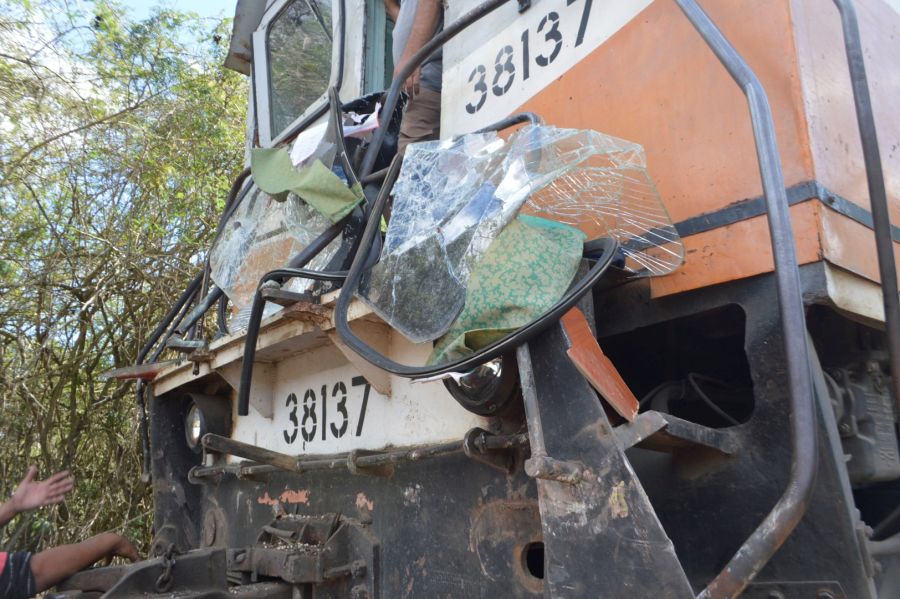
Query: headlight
x=194, y=427
x=206, y=414
x=486, y=389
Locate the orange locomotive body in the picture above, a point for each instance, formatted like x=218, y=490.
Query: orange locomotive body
x=657, y=83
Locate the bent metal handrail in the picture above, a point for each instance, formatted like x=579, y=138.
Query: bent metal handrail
x=881, y=217
x=783, y=518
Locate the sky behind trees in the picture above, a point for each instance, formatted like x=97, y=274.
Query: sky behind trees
x=141, y=9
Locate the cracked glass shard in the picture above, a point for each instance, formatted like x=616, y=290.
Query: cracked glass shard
x=602, y=187
x=449, y=204
x=453, y=197
x=261, y=235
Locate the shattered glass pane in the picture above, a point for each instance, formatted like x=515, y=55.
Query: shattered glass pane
x=261, y=235
x=606, y=191
x=453, y=198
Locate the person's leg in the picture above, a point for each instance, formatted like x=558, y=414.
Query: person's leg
x=54, y=565
x=421, y=120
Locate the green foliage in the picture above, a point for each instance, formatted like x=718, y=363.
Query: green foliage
x=118, y=142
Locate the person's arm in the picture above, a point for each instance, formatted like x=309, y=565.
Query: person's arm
x=425, y=23
x=54, y=565
x=392, y=8
x=30, y=494
x=7, y=512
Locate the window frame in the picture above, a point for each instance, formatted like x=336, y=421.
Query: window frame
x=376, y=51
x=260, y=73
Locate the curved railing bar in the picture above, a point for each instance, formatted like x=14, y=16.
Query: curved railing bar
x=881, y=217
x=783, y=518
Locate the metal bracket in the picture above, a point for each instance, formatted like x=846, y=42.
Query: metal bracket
x=589, y=479
x=658, y=431
x=321, y=550
x=477, y=445
x=186, y=346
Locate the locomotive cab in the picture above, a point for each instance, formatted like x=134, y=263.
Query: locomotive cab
x=290, y=458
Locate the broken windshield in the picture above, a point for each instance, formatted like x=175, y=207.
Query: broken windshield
x=454, y=198
x=298, y=48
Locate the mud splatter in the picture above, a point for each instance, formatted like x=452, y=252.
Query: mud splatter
x=288, y=496
x=617, y=504
x=364, y=503
x=411, y=495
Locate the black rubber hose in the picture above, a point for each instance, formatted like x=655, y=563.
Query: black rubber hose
x=222, y=315
x=230, y=202
x=161, y=347
x=256, y=310
x=511, y=341
x=201, y=308
x=143, y=424
x=511, y=121
x=185, y=296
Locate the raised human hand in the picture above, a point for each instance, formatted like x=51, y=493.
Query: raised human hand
x=30, y=494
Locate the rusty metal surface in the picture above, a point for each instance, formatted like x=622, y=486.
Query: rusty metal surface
x=477, y=444
x=709, y=506
x=94, y=579
x=592, y=363
x=663, y=432
x=602, y=512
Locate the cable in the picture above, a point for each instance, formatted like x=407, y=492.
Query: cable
x=692, y=378
x=651, y=395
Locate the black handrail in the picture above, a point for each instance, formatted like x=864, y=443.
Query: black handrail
x=881, y=217
x=784, y=516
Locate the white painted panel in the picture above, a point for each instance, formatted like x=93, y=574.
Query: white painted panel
x=501, y=62
x=414, y=414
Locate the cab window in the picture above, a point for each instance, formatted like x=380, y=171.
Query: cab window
x=298, y=49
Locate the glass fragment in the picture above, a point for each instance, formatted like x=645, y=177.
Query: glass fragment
x=453, y=197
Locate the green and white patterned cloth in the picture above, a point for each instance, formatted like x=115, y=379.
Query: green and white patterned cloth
x=524, y=272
